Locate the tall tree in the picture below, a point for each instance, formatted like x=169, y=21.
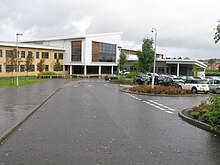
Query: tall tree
x=146, y=56
x=57, y=65
x=41, y=65
x=217, y=33
x=29, y=62
x=122, y=62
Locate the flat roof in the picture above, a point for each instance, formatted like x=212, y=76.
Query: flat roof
x=27, y=45
x=74, y=37
x=183, y=61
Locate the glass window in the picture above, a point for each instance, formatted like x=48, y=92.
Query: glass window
x=37, y=54
x=9, y=53
x=32, y=69
x=55, y=55
x=60, y=68
x=0, y=53
x=46, y=68
x=66, y=68
x=9, y=68
x=0, y=68
x=76, y=51
x=107, y=52
x=45, y=55
x=22, y=69
x=60, y=55
x=22, y=54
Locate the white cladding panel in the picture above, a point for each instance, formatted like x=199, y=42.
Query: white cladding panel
x=86, y=48
x=63, y=44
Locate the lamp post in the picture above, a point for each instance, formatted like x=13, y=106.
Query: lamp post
x=18, y=34
x=155, y=46
x=119, y=48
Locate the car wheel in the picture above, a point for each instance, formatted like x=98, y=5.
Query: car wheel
x=194, y=90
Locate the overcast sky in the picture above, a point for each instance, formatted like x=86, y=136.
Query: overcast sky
x=185, y=27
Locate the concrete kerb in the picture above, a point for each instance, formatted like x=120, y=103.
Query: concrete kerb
x=15, y=126
x=197, y=123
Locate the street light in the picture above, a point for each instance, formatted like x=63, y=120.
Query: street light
x=18, y=34
x=155, y=46
x=119, y=48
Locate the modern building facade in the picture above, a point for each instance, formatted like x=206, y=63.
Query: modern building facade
x=173, y=66
x=8, y=52
x=88, y=54
x=85, y=54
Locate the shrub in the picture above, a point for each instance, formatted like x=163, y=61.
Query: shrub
x=160, y=90
x=132, y=74
x=122, y=81
x=209, y=112
x=195, y=114
x=48, y=73
x=212, y=114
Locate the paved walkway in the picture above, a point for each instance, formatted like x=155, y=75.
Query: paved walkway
x=16, y=104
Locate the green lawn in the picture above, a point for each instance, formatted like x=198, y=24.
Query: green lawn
x=8, y=83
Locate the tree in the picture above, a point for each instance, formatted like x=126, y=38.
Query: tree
x=217, y=33
x=29, y=62
x=41, y=65
x=11, y=59
x=146, y=56
x=212, y=60
x=123, y=62
x=57, y=64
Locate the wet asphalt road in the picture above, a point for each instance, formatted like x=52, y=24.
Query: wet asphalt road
x=94, y=123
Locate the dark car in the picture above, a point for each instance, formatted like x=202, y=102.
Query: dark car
x=142, y=79
x=111, y=77
x=169, y=81
x=156, y=78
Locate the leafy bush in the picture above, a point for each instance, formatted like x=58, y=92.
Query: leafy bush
x=209, y=112
x=195, y=114
x=212, y=114
x=122, y=81
x=132, y=74
x=48, y=73
x=160, y=90
x=212, y=73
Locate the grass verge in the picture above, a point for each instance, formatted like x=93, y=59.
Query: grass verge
x=12, y=83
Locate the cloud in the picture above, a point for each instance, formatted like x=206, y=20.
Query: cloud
x=185, y=27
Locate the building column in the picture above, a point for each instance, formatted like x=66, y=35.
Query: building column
x=178, y=70
x=112, y=71
x=71, y=71
x=100, y=70
x=85, y=73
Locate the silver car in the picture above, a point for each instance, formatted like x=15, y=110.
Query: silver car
x=214, y=85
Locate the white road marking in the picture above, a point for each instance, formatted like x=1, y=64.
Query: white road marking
x=162, y=105
x=154, y=104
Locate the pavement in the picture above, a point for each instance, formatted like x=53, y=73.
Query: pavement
x=18, y=103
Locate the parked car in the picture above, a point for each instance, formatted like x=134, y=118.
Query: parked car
x=111, y=77
x=214, y=85
x=162, y=77
x=156, y=76
x=172, y=81
x=142, y=79
x=195, y=85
